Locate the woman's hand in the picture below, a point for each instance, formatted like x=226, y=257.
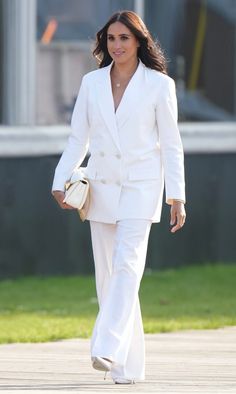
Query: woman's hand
x=59, y=197
x=177, y=215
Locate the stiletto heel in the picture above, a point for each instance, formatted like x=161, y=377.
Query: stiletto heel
x=101, y=364
x=105, y=375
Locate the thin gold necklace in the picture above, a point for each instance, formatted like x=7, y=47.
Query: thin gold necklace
x=118, y=84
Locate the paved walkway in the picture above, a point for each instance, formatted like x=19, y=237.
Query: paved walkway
x=182, y=362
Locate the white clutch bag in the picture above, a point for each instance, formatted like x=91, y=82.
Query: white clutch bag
x=77, y=193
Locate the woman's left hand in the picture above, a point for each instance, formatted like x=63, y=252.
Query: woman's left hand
x=177, y=215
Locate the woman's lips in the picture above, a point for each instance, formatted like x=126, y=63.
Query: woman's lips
x=118, y=53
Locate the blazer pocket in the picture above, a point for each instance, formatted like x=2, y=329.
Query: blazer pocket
x=142, y=174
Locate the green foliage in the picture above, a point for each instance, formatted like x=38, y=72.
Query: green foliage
x=36, y=309
x=195, y=297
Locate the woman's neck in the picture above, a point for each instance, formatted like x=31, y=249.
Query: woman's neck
x=126, y=69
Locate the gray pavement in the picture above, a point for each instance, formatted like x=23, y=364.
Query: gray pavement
x=201, y=361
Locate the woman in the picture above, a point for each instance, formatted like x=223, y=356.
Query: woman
x=126, y=116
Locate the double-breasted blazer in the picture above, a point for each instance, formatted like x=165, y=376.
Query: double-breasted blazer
x=134, y=150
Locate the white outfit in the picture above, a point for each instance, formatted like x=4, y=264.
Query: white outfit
x=119, y=254
x=133, y=152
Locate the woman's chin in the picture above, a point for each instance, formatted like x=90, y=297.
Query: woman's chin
x=122, y=61
x=119, y=59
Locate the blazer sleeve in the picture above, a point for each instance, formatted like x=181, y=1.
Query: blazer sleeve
x=78, y=141
x=170, y=142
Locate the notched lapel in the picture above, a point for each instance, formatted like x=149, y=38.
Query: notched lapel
x=106, y=103
x=130, y=101
x=131, y=97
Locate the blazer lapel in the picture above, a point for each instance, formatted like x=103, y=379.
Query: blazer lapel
x=129, y=102
x=106, y=103
x=131, y=97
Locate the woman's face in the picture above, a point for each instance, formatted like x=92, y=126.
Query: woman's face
x=122, y=44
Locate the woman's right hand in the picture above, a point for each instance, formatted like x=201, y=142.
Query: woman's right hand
x=59, y=197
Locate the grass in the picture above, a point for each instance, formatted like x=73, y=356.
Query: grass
x=34, y=309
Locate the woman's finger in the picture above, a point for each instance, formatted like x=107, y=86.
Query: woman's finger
x=59, y=197
x=180, y=222
x=172, y=216
x=66, y=206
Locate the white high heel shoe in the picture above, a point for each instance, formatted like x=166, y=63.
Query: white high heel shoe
x=123, y=381
x=101, y=364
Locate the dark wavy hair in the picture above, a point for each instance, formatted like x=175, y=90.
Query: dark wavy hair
x=149, y=51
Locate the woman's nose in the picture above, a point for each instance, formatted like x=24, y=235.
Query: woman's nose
x=117, y=44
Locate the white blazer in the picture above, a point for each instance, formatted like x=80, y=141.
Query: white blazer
x=134, y=150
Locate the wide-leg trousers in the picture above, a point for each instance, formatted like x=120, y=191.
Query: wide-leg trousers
x=119, y=252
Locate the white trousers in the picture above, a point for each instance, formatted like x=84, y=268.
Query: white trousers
x=119, y=255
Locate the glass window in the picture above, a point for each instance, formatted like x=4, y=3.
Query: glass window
x=199, y=38
x=75, y=19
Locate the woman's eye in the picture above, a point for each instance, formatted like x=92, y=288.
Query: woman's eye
x=123, y=38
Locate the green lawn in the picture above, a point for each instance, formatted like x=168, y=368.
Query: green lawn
x=37, y=309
